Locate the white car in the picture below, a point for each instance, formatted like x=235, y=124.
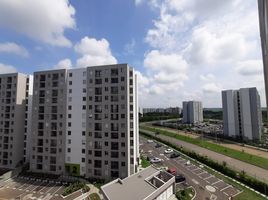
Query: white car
x=188, y=162
x=156, y=160
x=150, y=141
x=167, y=151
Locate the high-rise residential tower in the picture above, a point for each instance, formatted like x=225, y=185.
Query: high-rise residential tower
x=263, y=22
x=242, y=113
x=192, y=112
x=15, y=96
x=85, y=122
x=48, y=122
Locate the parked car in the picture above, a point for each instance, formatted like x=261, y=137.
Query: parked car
x=167, y=151
x=179, y=178
x=158, y=145
x=174, y=155
x=156, y=160
x=172, y=171
x=188, y=162
x=150, y=141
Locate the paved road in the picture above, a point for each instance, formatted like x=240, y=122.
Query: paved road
x=198, y=178
x=260, y=173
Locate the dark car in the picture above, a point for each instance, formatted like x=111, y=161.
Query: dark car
x=179, y=178
x=174, y=155
x=158, y=145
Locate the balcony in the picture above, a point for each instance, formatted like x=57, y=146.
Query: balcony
x=97, y=135
x=98, y=98
x=114, y=72
x=97, y=145
x=97, y=116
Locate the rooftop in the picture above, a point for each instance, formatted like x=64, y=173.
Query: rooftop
x=137, y=186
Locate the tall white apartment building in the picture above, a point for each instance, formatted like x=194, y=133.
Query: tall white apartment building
x=15, y=90
x=192, y=112
x=112, y=128
x=242, y=113
x=88, y=124
x=49, y=122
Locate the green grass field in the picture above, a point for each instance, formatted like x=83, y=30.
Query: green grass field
x=239, y=155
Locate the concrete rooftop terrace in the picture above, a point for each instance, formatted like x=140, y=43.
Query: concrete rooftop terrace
x=137, y=186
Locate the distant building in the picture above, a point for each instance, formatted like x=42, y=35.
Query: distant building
x=170, y=110
x=242, y=113
x=173, y=110
x=192, y=112
x=140, y=112
x=148, y=184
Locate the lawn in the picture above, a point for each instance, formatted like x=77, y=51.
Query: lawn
x=144, y=162
x=239, y=155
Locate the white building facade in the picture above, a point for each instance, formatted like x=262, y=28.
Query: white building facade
x=192, y=112
x=242, y=116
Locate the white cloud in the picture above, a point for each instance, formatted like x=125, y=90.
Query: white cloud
x=94, y=52
x=129, y=47
x=207, y=77
x=44, y=21
x=211, y=88
x=11, y=47
x=250, y=67
x=217, y=40
x=6, y=69
x=138, y=2
x=64, y=64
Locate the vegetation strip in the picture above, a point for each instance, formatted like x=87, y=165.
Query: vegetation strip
x=239, y=176
x=239, y=155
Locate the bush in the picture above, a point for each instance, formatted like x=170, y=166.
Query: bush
x=74, y=187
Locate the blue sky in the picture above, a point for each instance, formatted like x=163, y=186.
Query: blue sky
x=181, y=49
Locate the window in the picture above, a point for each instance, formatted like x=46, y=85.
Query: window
x=70, y=74
x=69, y=150
x=69, y=132
x=122, y=79
x=70, y=82
x=83, y=160
x=83, y=151
x=114, y=80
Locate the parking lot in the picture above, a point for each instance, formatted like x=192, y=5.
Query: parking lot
x=206, y=185
x=33, y=188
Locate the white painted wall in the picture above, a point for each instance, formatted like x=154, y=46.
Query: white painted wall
x=78, y=119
